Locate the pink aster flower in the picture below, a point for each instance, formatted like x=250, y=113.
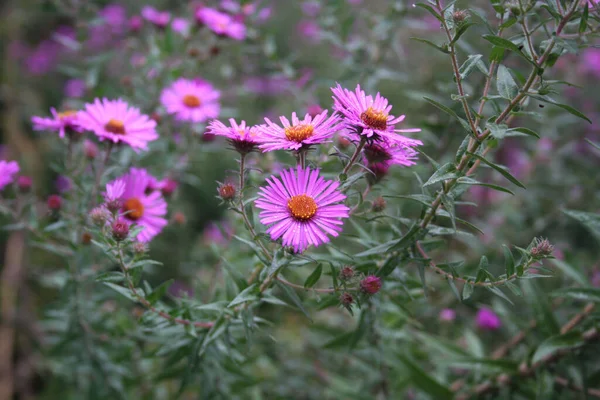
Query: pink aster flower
x=299, y=134
x=220, y=23
x=191, y=100
x=61, y=122
x=138, y=207
x=159, y=18
x=302, y=208
x=447, y=315
x=241, y=136
x=7, y=170
x=181, y=26
x=370, y=117
x=114, y=190
x=487, y=319
x=116, y=121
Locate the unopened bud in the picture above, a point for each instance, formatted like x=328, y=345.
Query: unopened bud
x=460, y=16
x=371, y=284
x=344, y=143
x=99, y=216
x=346, y=273
x=86, y=238
x=179, y=218
x=346, y=299
x=120, y=230
x=24, y=183
x=90, y=149
x=114, y=205
x=168, y=187
x=227, y=191
x=193, y=52
x=314, y=110
x=379, y=204
x=140, y=248
x=156, y=117
x=542, y=248
x=54, y=202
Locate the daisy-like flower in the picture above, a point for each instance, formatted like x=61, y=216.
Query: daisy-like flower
x=191, y=100
x=299, y=133
x=302, y=208
x=144, y=209
x=116, y=121
x=370, y=117
x=220, y=23
x=114, y=190
x=241, y=136
x=61, y=122
x=7, y=170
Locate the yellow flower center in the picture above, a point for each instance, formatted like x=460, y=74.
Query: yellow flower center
x=133, y=208
x=67, y=113
x=299, y=133
x=374, y=119
x=302, y=207
x=191, y=101
x=115, y=126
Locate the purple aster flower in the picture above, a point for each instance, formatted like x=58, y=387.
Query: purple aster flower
x=61, y=122
x=311, y=8
x=143, y=209
x=487, y=319
x=299, y=134
x=63, y=183
x=43, y=58
x=220, y=23
x=135, y=23
x=310, y=30
x=115, y=16
x=241, y=136
x=114, y=190
x=181, y=26
x=7, y=170
x=159, y=18
x=302, y=208
x=219, y=234
x=447, y=315
x=191, y=100
x=116, y=121
x=75, y=88
x=370, y=117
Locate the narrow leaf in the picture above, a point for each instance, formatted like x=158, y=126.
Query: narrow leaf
x=501, y=170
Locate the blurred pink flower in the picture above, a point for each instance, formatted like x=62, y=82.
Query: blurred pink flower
x=181, y=26
x=447, y=315
x=220, y=23
x=487, y=319
x=43, y=58
x=74, y=88
x=309, y=30
x=191, y=100
x=311, y=8
x=217, y=233
x=115, y=16
x=159, y=18
x=62, y=122
x=7, y=171
x=63, y=183
x=135, y=23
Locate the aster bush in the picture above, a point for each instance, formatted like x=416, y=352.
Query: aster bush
x=425, y=225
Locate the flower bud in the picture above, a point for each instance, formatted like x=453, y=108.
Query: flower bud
x=379, y=204
x=135, y=23
x=346, y=299
x=24, y=183
x=447, y=315
x=99, y=216
x=54, y=202
x=140, y=248
x=86, y=238
x=314, y=110
x=344, y=143
x=194, y=52
x=346, y=273
x=208, y=137
x=227, y=191
x=487, y=319
x=379, y=171
x=114, y=205
x=542, y=248
x=214, y=51
x=460, y=16
x=168, y=187
x=156, y=117
x=90, y=149
x=120, y=230
x=371, y=284
x=179, y=218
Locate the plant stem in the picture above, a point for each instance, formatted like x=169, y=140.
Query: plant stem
x=100, y=172
x=357, y=151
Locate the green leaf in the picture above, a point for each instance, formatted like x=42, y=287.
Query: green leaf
x=596, y=145
x=489, y=364
x=430, y=43
x=565, y=107
x=589, y=220
x=431, y=10
x=501, y=170
x=584, y=18
x=467, y=290
x=468, y=66
x=509, y=261
x=571, y=272
x=505, y=83
x=293, y=296
x=449, y=111
x=389, y=267
x=499, y=293
x=506, y=44
x=159, y=291
x=111, y=276
x=314, y=277
x=448, y=203
x=120, y=289
x=424, y=381
x=526, y=131
x=497, y=131
x=248, y=294
x=584, y=294
x=445, y=172
x=469, y=181
x=554, y=344
x=461, y=31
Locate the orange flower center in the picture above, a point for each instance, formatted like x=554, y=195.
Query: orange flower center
x=133, y=208
x=302, y=207
x=299, y=133
x=67, y=113
x=191, y=101
x=374, y=119
x=115, y=126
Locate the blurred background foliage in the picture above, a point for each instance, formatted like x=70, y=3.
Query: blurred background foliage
x=401, y=348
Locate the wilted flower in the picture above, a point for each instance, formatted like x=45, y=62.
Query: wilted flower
x=99, y=216
x=299, y=134
x=7, y=170
x=116, y=121
x=370, y=117
x=144, y=209
x=54, y=202
x=447, y=315
x=191, y=100
x=61, y=122
x=220, y=23
x=370, y=284
x=241, y=136
x=140, y=248
x=487, y=319
x=301, y=208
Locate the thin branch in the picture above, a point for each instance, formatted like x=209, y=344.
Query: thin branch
x=295, y=286
x=355, y=155
x=570, y=385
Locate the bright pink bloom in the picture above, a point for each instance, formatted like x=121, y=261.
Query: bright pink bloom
x=302, y=208
x=191, y=100
x=159, y=18
x=488, y=319
x=241, y=136
x=220, y=23
x=181, y=26
x=116, y=121
x=297, y=134
x=61, y=122
x=370, y=284
x=135, y=23
x=370, y=117
x=54, y=202
x=7, y=170
x=114, y=190
x=24, y=183
x=115, y=16
x=143, y=209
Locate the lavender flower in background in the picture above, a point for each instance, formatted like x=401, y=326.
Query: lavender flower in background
x=75, y=88
x=158, y=18
x=487, y=319
x=7, y=171
x=65, y=123
x=181, y=26
x=191, y=100
x=220, y=23
x=63, y=184
x=447, y=315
